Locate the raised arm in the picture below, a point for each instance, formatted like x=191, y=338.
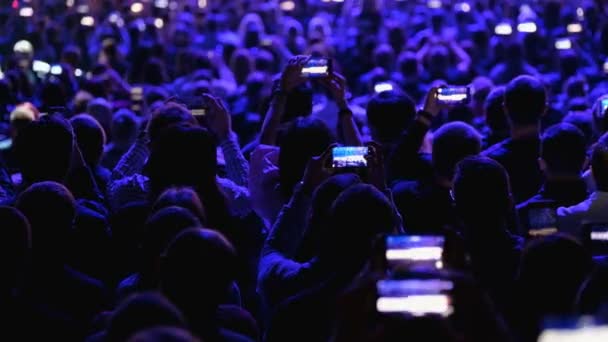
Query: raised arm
x=410, y=142
x=133, y=161
x=464, y=60
x=336, y=84
x=80, y=178
x=289, y=227
x=290, y=78
x=220, y=123
x=278, y=271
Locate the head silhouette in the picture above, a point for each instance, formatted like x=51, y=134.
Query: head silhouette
x=163, y=334
x=198, y=259
x=563, y=150
x=16, y=246
x=453, y=142
x=90, y=137
x=44, y=149
x=142, y=311
x=552, y=270
x=124, y=127
x=481, y=191
x=496, y=118
x=101, y=110
x=525, y=101
x=599, y=163
x=50, y=209
x=389, y=113
x=358, y=215
x=185, y=198
x=170, y=164
x=319, y=216
x=168, y=115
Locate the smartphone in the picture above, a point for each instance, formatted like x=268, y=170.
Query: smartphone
x=574, y=28
x=414, y=252
x=599, y=232
x=382, y=86
x=542, y=222
x=159, y=23
x=349, y=157
x=503, y=29
x=197, y=106
x=41, y=68
x=56, y=70
x=526, y=27
x=563, y=44
x=317, y=68
x=26, y=12
x=416, y=297
x=576, y=329
x=597, y=238
x=454, y=95
x=87, y=21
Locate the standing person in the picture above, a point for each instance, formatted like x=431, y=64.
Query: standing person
x=525, y=103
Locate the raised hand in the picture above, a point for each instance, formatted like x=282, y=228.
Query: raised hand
x=217, y=118
x=292, y=75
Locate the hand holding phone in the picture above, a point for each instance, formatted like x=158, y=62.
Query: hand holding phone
x=217, y=116
x=292, y=75
x=376, y=174
x=336, y=85
x=542, y=221
x=316, y=169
